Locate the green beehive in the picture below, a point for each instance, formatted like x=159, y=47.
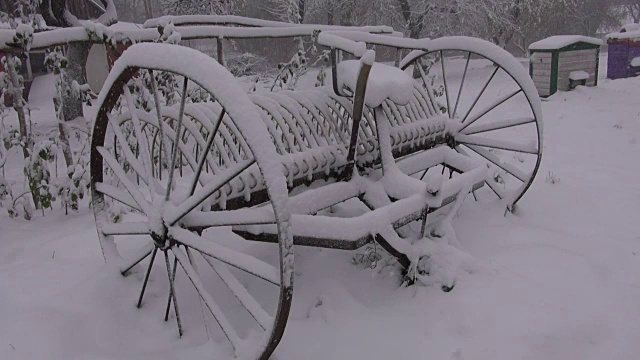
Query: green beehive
x=562, y=62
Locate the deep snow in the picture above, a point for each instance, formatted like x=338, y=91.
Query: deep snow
x=559, y=279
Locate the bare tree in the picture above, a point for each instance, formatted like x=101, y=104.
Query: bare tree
x=199, y=7
x=589, y=16
x=292, y=11
x=633, y=10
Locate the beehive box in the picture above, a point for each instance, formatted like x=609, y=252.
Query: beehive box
x=554, y=59
x=624, y=47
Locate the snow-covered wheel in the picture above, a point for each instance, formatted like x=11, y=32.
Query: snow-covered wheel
x=494, y=104
x=176, y=194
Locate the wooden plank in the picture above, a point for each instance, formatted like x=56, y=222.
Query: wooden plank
x=565, y=74
x=542, y=72
x=563, y=84
x=541, y=78
x=591, y=62
x=542, y=61
x=578, y=59
x=579, y=53
x=541, y=55
x=543, y=86
x=576, y=66
x=543, y=92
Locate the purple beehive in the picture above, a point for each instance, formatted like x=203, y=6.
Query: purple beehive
x=634, y=52
x=624, y=46
x=618, y=59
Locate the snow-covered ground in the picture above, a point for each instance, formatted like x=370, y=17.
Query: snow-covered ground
x=559, y=279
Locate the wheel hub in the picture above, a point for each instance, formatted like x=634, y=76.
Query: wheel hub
x=160, y=234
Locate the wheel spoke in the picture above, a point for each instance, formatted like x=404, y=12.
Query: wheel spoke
x=172, y=290
x=484, y=111
x=228, y=256
x=128, y=154
x=140, y=255
x=496, y=144
x=464, y=75
x=164, y=146
x=129, y=186
x=146, y=276
x=444, y=80
x=169, y=300
x=195, y=269
x=205, y=153
x=486, y=85
x=215, y=310
x=127, y=228
x=498, y=125
x=118, y=195
x=427, y=85
x=206, y=191
x=240, y=292
x=518, y=174
x=141, y=139
x=206, y=219
x=177, y=140
x=499, y=193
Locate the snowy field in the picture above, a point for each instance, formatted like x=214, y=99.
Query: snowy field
x=559, y=279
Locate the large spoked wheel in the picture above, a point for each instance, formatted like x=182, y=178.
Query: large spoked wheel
x=162, y=170
x=493, y=104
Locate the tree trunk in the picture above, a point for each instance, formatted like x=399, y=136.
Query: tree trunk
x=18, y=105
x=331, y=14
x=76, y=60
x=148, y=9
x=18, y=100
x=64, y=139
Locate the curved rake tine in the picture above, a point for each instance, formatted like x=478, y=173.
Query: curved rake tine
x=205, y=152
x=473, y=191
x=464, y=76
x=444, y=80
x=146, y=276
x=176, y=142
x=172, y=291
x=424, y=173
x=480, y=94
x=214, y=309
x=432, y=99
x=484, y=111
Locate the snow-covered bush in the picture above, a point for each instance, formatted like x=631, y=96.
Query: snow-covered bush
x=289, y=72
x=245, y=64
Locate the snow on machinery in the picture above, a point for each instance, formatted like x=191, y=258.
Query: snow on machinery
x=180, y=146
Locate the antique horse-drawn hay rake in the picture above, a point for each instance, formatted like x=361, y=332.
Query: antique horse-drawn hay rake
x=269, y=165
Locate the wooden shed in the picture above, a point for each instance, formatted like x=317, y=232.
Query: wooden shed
x=623, y=59
x=562, y=62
